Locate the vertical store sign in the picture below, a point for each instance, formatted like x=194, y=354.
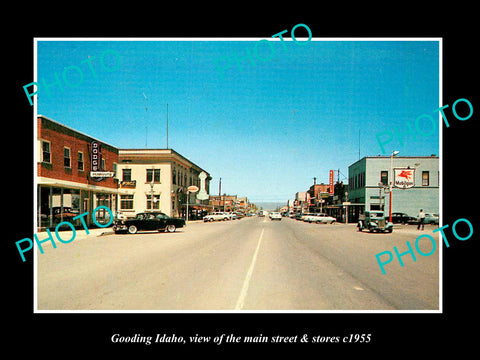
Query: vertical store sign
x=95, y=156
x=330, y=183
x=95, y=161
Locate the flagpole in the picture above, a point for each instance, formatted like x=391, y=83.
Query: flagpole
x=167, y=125
x=146, y=125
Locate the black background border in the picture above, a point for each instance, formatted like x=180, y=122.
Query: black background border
x=89, y=334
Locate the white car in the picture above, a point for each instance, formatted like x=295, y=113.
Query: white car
x=305, y=215
x=320, y=219
x=431, y=218
x=216, y=216
x=275, y=216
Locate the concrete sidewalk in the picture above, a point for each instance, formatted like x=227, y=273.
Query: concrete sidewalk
x=93, y=232
x=79, y=234
x=412, y=229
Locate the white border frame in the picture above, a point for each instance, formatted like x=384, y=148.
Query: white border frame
x=440, y=53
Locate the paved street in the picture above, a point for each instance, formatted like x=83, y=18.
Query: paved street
x=248, y=264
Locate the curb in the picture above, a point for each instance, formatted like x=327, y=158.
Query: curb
x=106, y=233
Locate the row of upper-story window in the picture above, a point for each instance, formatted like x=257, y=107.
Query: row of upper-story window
x=46, y=156
x=358, y=180
x=153, y=175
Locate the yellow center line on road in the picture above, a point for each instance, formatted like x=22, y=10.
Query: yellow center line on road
x=246, y=282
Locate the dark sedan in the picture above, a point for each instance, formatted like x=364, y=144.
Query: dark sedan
x=402, y=218
x=148, y=221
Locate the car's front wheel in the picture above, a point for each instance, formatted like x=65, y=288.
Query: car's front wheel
x=170, y=228
x=132, y=229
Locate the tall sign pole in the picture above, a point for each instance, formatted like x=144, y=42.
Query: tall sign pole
x=167, y=125
x=191, y=188
x=392, y=176
x=330, y=182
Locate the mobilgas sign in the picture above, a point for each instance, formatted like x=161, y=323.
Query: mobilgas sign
x=404, y=178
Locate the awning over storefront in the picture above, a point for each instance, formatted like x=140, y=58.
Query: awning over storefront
x=75, y=185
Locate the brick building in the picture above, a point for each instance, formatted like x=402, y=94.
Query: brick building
x=75, y=174
x=224, y=202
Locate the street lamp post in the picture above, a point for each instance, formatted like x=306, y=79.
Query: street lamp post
x=188, y=198
x=394, y=152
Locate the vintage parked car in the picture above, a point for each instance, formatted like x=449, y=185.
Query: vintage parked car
x=304, y=215
x=319, y=219
x=241, y=215
x=148, y=221
x=374, y=221
x=401, y=218
x=216, y=216
x=431, y=219
x=298, y=216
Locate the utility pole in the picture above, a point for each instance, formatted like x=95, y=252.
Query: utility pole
x=219, y=193
x=380, y=201
x=167, y=125
x=146, y=125
x=358, y=144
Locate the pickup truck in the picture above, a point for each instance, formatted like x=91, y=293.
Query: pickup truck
x=374, y=221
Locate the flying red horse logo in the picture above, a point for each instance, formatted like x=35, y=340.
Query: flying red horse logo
x=405, y=174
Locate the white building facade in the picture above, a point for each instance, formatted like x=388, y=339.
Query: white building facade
x=157, y=180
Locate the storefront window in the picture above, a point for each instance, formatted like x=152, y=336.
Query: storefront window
x=45, y=216
x=57, y=205
x=102, y=216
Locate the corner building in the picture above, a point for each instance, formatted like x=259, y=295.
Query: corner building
x=421, y=191
x=157, y=180
x=75, y=174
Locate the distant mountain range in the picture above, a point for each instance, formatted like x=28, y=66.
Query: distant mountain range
x=269, y=206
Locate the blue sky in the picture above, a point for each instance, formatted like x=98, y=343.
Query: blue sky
x=266, y=128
